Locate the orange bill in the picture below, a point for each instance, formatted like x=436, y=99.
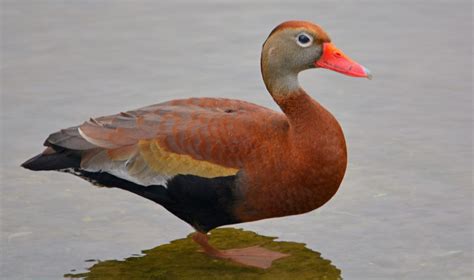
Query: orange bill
x=334, y=59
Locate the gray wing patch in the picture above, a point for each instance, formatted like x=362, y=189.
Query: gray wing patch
x=69, y=138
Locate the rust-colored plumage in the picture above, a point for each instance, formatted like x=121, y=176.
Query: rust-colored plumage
x=205, y=137
x=297, y=24
x=214, y=161
x=282, y=159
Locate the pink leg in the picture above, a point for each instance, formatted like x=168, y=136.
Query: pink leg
x=202, y=239
x=255, y=256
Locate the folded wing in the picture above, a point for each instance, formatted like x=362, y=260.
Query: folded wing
x=204, y=137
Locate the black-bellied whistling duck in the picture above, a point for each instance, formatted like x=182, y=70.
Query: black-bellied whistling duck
x=213, y=161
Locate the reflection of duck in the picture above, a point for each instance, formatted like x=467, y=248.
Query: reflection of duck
x=180, y=260
x=214, y=162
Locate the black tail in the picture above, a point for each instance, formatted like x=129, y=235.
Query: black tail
x=69, y=161
x=54, y=161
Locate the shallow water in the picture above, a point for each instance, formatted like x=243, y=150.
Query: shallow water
x=181, y=260
x=404, y=210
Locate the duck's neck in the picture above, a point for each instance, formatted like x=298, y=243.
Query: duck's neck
x=303, y=112
x=281, y=81
x=305, y=115
x=280, y=84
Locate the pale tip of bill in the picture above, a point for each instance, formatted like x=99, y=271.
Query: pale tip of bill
x=367, y=73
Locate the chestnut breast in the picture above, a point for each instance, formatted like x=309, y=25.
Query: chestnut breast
x=296, y=171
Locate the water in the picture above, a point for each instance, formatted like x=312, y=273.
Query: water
x=404, y=210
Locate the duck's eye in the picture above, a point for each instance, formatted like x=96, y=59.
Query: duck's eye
x=304, y=40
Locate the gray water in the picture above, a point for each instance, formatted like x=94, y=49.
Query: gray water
x=404, y=210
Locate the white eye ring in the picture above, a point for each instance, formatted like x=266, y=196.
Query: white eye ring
x=304, y=39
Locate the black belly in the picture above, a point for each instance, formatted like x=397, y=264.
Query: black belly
x=204, y=203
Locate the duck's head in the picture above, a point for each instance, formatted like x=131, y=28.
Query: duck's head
x=294, y=46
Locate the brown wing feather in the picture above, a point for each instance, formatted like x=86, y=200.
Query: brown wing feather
x=218, y=131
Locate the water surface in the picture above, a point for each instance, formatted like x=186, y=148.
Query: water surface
x=404, y=210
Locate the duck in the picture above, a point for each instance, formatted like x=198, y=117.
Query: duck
x=215, y=161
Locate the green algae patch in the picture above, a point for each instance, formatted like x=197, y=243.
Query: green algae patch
x=181, y=259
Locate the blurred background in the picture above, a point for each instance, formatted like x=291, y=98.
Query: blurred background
x=404, y=210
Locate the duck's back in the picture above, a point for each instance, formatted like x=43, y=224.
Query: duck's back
x=208, y=137
x=200, y=136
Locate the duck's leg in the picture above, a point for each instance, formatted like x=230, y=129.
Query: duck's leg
x=255, y=256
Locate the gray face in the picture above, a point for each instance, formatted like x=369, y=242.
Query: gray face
x=285, y=54
x=292, y=50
